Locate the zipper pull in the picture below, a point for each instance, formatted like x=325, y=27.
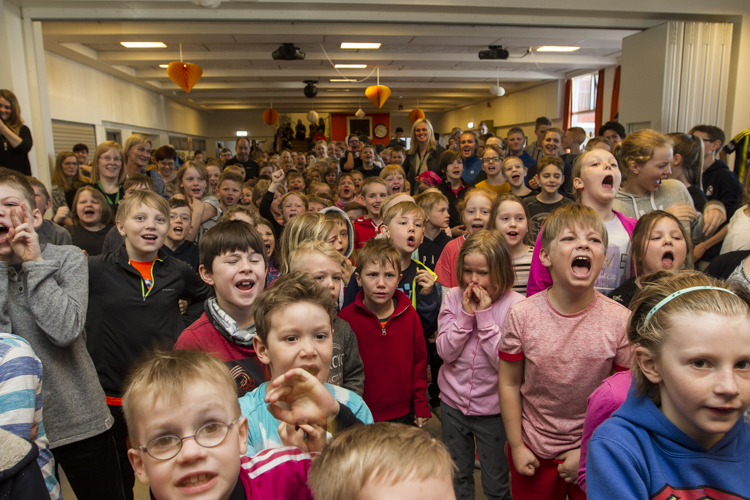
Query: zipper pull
x=383, y=330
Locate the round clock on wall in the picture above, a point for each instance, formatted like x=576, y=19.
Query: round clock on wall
x=381, y=131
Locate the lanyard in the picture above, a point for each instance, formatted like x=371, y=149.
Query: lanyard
x=109, y=200
x=422, y=159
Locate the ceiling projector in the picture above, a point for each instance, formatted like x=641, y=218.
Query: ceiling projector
x=288, y=52
x=494, y=52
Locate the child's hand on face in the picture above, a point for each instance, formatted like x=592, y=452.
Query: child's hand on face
x=568, y=470
x=61, y=214
x=525, y=461
x=347, y=271
x=481, y=298
x=304, y=399
x=426, y=281
x=467, y=300
x=22, y=237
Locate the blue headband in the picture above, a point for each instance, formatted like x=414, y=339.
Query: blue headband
x=676, y=294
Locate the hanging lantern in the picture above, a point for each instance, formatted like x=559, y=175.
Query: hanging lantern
x=312, y=117
x=185, y=75
x=360, y=114
x=497, y=90
x=270, y=116
x=378, y=94
x=416, y=114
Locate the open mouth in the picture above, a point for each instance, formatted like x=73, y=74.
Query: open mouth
x=477, y=226
x=196, y=192
x=396, y=189
x=3, y=232
x=512, y=234
x=149, y=237
x=515, y=178
x=268, y=249
x=608, y=182
x=196, y=480
x=411, y=241
x=178, y=230
x=581, y=266
x=245, y=285
x=312, y=370
x=229, y=200
x=89, y=212
x=667, y=260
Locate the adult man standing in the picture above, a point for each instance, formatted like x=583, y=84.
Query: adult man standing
x=242, y=158
x=536, y=149
x=398, y=141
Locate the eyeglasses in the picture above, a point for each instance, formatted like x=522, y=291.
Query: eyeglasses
x=115, y=159
x=168, y=446
x=185, y=218
x=491, y=160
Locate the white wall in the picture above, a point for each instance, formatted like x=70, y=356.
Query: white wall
x=78, y=93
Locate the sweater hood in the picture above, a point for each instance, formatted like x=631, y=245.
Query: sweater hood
x=350, y=232
x=640, y=411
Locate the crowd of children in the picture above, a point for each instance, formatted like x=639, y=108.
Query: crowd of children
x=287, y=329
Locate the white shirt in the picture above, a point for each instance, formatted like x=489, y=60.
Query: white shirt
x=616, y=269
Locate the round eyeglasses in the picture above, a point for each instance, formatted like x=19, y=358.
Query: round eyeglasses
x=491, y=160
x=209, y=435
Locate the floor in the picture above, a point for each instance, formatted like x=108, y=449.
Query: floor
x=141, y=491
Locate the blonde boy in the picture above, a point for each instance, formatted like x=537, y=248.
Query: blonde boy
x=133, y=302
x=298, y=308
x=230, y=189
x=374, y=191
x=380, y=461
x=175, y=394
x=180, y=223
x=574, y=338
x=437, y=219
x=388, y=329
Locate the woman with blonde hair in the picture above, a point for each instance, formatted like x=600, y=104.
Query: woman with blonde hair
x=107, y=174
x=15, y=137
x=136, y=157
x=425, y=152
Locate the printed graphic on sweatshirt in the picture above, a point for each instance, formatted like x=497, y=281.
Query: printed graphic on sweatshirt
x=695, y=493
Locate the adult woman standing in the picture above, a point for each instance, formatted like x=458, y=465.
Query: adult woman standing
x=136, y=157
x=424, y=153
x=107, y=174
x=15, y=136
x=65, y=182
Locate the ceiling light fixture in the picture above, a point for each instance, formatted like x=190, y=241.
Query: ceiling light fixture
x=164, y=65
x=556, y=48
x=242, y=133
x=471, y=124
x=349, y=45
x=339, y=80
x=144, y=45
x=350, y=66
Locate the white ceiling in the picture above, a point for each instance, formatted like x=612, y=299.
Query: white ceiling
x=428, y=53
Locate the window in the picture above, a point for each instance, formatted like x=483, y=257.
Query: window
x=584, y=103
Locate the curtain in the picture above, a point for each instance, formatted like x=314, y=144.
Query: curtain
x=599, y=101
x=615, y=96
x=567, y=104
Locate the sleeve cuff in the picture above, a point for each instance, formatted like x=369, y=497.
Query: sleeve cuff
x=619, y=368
x=485, y=320
x=465, y=321
x=506, y=356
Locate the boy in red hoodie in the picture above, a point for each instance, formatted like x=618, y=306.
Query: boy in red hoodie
x=390, y=337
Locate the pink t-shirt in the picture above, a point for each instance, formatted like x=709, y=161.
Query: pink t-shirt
x=446, y=264
x=565, y=360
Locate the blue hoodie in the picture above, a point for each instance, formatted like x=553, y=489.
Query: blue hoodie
x=640, y=454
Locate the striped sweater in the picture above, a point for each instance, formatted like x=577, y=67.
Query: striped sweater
x=21, y=401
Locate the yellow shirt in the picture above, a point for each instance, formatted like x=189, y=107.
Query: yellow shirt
x=501, y=189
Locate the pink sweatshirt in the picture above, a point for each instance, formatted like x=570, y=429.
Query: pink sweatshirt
x=468, y=345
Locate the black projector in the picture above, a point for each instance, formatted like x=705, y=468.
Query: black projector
x=494, y=52
x=288, y=52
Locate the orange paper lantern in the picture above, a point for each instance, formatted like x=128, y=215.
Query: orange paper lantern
x=186, y=75
x=270, y=116
x=378, y=94
x=416, y=114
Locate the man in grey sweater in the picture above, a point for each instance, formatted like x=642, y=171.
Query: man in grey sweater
x=43, y=298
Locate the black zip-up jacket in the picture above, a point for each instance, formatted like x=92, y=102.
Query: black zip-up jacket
x=123, y=324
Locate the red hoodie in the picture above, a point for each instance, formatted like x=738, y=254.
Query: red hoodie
x=364, y=230
x=394, y=357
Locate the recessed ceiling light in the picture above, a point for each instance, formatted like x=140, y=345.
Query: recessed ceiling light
x=164, y=65
x=348, y=45
x=335, y=80
x=350, y=66
x=144, y=45
x=554, y=48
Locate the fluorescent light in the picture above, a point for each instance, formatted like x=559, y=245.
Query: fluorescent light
x=242, y=133
x=471, y=124
x=348, y=45
x=335, y=80
x=554, y=48
x=350, y=66
x=144, y=45
x=337, y=90
x=164, y=65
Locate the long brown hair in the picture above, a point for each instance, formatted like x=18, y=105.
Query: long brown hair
x=15, y=121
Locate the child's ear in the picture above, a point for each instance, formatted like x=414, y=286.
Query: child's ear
x=634, y=167
x=385, y=232
x=562, y=179
x=261, y=351
x=545, y=258
x=676, y=159
x=206, y=276
x=359, y=281
x=243, y=432
x=120, y=229
x=577, y=183
x=648, y=364
x=37, y=218
x=137, y=462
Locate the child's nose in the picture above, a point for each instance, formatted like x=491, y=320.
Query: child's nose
x=190, y=451
x=726, y=383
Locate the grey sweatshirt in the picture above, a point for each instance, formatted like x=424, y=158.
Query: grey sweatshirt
x=671, y=192
x=45, y=303
x=347, y=370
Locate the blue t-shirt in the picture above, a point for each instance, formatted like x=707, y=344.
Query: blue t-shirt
x=263, y=427
x=472, y=168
